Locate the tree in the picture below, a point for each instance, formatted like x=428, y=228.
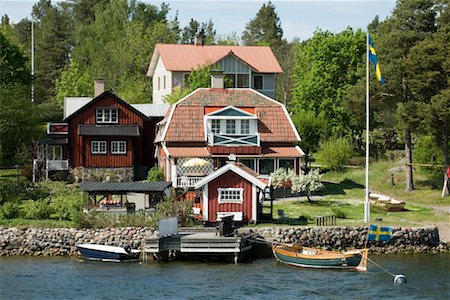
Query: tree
x=204, y=30
x=326, y=67
x=12, y=63
x=335, y=152
x=73, y=82
x=307, y=183
x=410, y=23
x=312, y=128
x=265, y=28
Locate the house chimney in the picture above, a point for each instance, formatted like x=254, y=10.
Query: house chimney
x=217, y=81
x=99, y=87
x=198, y=40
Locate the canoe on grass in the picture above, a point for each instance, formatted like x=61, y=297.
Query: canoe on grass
x=297, y=255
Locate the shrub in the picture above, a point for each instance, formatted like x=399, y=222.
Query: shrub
x=9, y=210
x=39, y=209
x=338, y=212
x=335, y=153
x=181, y=209
x=426, y=152
x=155, y=174
x=66, y=207
x=105, y=220
x=307, y=183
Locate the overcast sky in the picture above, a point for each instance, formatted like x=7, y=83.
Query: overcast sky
x=298, y=18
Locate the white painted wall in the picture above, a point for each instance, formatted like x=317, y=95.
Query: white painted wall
x=160, y=72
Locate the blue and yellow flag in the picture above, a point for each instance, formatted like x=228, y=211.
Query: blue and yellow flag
x=374, y=59
x=379, y=233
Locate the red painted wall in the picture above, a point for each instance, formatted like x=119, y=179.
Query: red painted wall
x=229, y=180
x=80, y=154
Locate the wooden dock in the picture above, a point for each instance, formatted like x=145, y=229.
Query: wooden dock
x=199, y=243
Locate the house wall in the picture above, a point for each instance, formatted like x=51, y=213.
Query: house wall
x=229, y=180
x=268, y=84
x=160, y=72
x=80, y=154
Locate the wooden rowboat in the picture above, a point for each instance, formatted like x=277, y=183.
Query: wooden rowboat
x=300, y=256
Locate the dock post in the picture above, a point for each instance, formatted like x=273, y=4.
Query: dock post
x=236, y=257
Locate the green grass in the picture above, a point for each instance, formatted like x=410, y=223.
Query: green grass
x=346, y=190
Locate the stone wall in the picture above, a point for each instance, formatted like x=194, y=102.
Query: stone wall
x=404, y=240
x=62, y=241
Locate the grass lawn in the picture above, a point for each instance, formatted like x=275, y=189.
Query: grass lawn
x=345, y=192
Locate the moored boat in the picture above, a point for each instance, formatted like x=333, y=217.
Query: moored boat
x=297, y=255
x=108, y=253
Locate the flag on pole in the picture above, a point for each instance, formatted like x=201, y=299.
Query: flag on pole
x=374, y=59
x=378, y=233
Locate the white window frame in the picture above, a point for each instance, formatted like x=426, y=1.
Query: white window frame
x=232, y=121
x=116, y=147
x=249, y=158
x=230, y=195
x=98, y=147
x=53, y=153
x=100, y=116
x=213, y=123
x=247, y=126
x=274, y=165
x=287, y=158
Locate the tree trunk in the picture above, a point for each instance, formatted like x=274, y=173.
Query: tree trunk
x=409, y=160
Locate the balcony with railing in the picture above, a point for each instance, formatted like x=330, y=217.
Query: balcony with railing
x=215, y=139
x=187, y=181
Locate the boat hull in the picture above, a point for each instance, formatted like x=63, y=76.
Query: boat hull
x=109, y=254
x=321, y=259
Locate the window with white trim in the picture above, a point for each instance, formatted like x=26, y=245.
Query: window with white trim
x=258, y=82
x=286, y=163
x=215, y=126
x=54, y=152
x=119, y=147
x=98, y=147
x=266, y=166
x=231, y=126
x=107, y=115
x=245, y=126
x=230, y=195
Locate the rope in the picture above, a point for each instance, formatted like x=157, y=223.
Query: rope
x=392, y=274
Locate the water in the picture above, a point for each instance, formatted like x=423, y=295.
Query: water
x=68, y=278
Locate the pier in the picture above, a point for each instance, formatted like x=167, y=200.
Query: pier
x=200, y=242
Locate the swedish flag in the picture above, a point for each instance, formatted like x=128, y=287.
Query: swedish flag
x=374, y=59
x=379, y=233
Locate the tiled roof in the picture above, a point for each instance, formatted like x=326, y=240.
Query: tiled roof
x=187, y=124
x=188, y=151
x=188, y=57
x=282, y=152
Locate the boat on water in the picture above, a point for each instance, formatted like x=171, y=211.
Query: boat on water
x=297, y=255
x=108, y=253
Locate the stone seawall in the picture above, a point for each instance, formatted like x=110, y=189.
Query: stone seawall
x=62, y=241
x=404, y=240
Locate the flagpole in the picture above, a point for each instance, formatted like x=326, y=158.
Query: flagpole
x=366, y=203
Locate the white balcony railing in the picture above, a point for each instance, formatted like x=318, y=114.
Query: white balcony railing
x=57, y=165
x=187, y=181
x=233, y=139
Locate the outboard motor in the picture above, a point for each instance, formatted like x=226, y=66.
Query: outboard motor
x=127, y=248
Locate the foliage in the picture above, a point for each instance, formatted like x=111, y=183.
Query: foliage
x=105, y=220
x=9, y=210
x=155, y=174
x=282, y=178
x=13, y=69
x=39, y=209
x=326, y=66
x=427, y=152
x=307, y=183
x=335, y=153
x=338, y=212
x=73, y=82
x=265, y=28
x=205, y=31
x=171, y=208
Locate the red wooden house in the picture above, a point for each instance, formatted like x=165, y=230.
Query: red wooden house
x=104, y=138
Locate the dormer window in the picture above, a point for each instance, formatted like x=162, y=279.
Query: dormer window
x=231, y=127
x=215, y=126
x=245, y=126
x=107, y=115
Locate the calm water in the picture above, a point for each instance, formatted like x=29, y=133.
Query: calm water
x=66, y=278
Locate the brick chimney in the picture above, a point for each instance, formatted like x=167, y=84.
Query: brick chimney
x=99, y=87
x=198, y=41
x=217, y=81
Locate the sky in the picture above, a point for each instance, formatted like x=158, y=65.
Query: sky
x=299, y=19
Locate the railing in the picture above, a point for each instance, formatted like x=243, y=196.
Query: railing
x=233, y=140
x=57, y=165
x=187, y=181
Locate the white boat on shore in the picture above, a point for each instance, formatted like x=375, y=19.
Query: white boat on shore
x=386, y=202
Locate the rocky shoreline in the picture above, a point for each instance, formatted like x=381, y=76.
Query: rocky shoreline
x=62, y=241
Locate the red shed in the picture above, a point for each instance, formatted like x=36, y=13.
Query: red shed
x=234, y=189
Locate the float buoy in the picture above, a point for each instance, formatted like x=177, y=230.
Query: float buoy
x=399, y=279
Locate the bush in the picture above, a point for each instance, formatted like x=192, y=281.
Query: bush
x=170, y=208
x=66, y=207
x=155, y=174
x=338, y=212
x=39, y=209
x=105, y=220
x=9, y=210
x=426, y=152
x=335, y=153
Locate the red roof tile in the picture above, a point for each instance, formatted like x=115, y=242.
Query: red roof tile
x=282, y=152
x=187, y=124
x=188, y=57
x=188, y=152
